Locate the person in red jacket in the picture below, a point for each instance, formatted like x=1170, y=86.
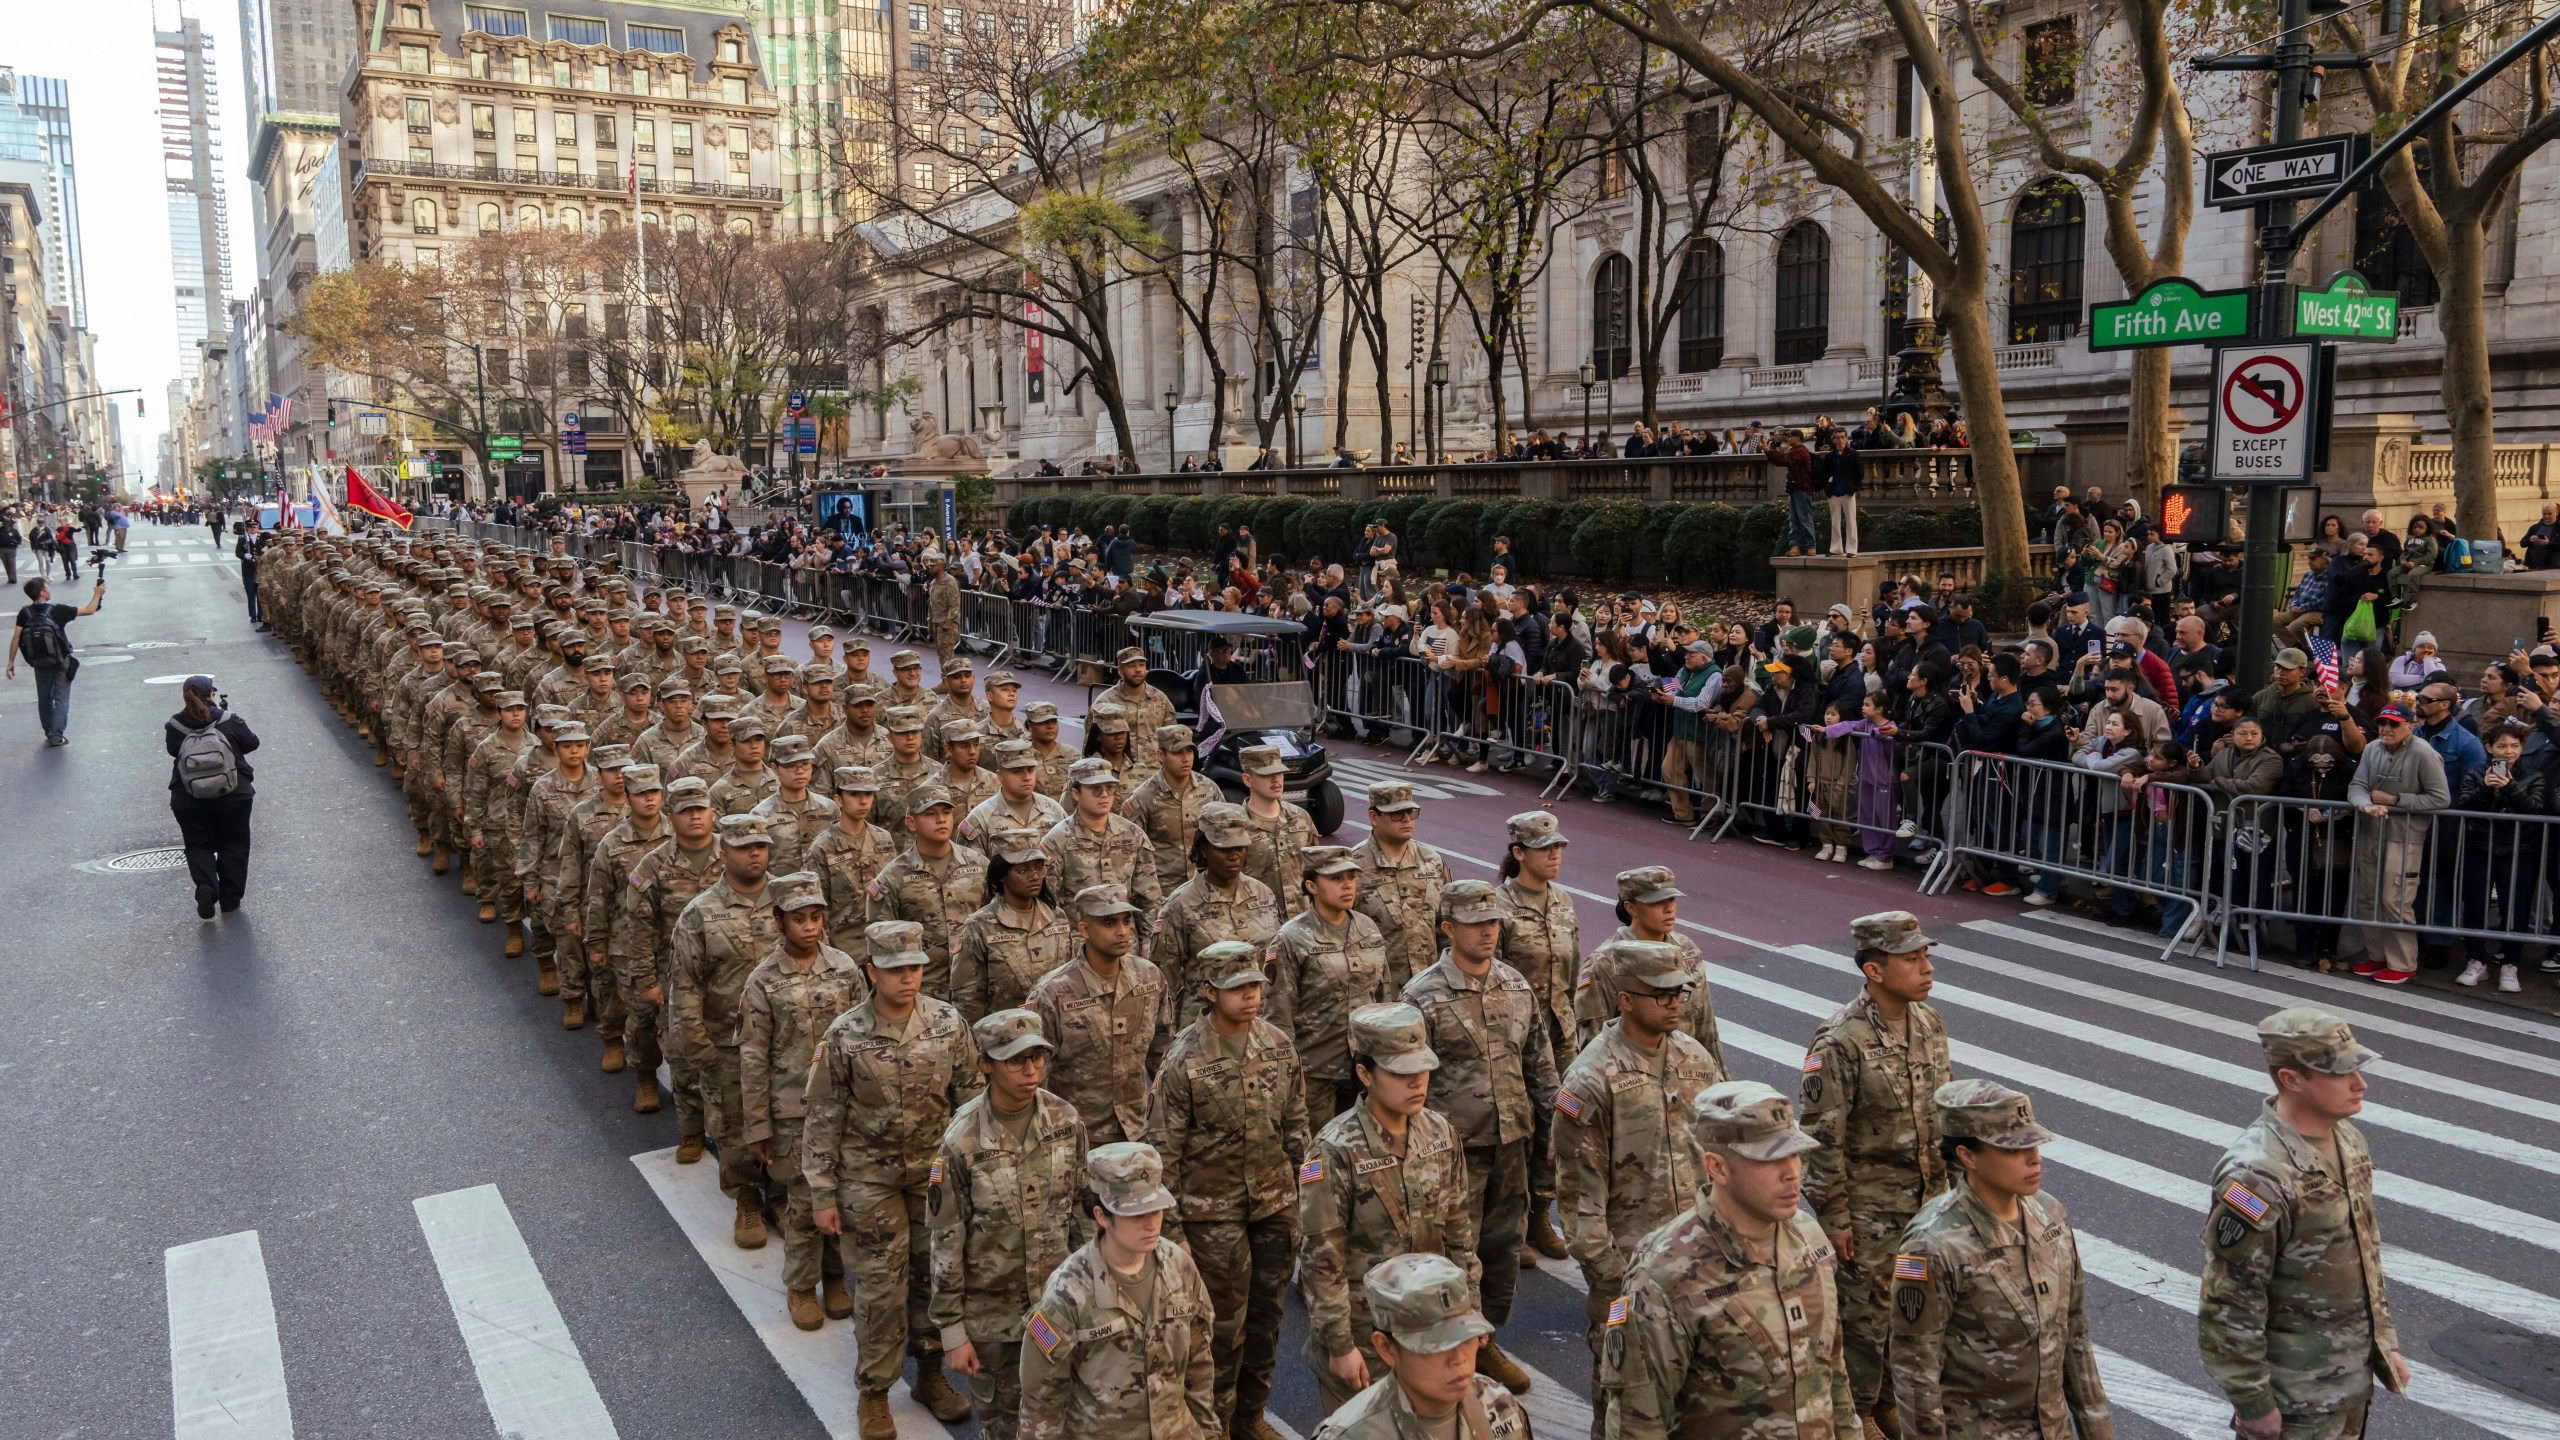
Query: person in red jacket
x=1788, y=453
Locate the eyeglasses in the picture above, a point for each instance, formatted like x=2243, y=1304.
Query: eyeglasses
x=1666, y=997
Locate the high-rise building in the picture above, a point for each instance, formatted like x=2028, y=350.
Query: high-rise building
x=294, y=54
x=191, y=169
x=48, y=102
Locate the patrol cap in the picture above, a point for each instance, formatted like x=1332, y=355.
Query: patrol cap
x=675, y=689
x=1420, y=1299
x=1225, y=826
x=644, y=780
x=1016, y=845
x=744, y=829
x=1648, y=885
x=1472, y=902
x=1015, y=755
x=960, y=665
x=815, y=673
x=1128, y=1178
x=902, y=719
x=1895, y=932
x=749, y=728
x=858, y=645
x=599, y=665
x=464, y=655
x=724, y=612
x=894, y=944
x=686, y=792
x=1108, y=720
x=1749, y=1119
x=1091, y=770
x=692, y=645
x=961, y=732
x=1261, y=760
x=999, y=679
x=1227, y=964
x=1390, y=797
x=864, y=692
x=636, y=680
x=489, y=682
x=1329, y=860
x=860, y=778
x=1094, y=902
x=2307, y=1037
x=1643, y=962
x=509, y=700
x=822, y=632
x=729, y=665
x=1129, y=655
x=720, y=706
x=551, y=717
x=610, y=757
x=1004, y=1034
x=1990, y=1112
x=798, y=891
x=2290, y=658
x=570, y=732
x=1395, y=1036
x=906, y=660
x=1534, y=830
x=791, y=749
x=781, y=665
x=926, y=797
x=770, y=625
x=1041, y=710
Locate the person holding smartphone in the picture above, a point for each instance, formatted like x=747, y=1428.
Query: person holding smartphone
x=43, y=638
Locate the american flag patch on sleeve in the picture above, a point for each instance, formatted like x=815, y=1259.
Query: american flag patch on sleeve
x=934, y=1176
x=1618, y=1311
x=1812, y=1062
x=1042, y=1333
x=1911, y=1267
x=1312, y=1171
x=1569, y=1103
x=2239, y=1198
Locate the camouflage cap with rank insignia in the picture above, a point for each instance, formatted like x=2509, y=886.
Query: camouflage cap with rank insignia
x=508, y=700
x=488, y=682
x=927, y=796
x=1893, y=932
x=720, y=707
x=1108, y=720
x=792, y=749
x=1000, y=679
x=1130, y=655
x=1535, y=830
x=902, y=720
x=686, y=792
x=1225, y=826
x=1041, y=712
x=1749, y=1119
x=906, y=660
x=1018, y=845
x=1261, y=760
x=674, y=689
x=894, y=944
x=1226, y=964
x=961, y=732
x=1128, y=1178
x=1174, y=737
x=1008, y=1033
x=1648, y=885
x=643, y=780
x=1422, y=1301
x=1391, y=797
x=1395, y=1036
x=570, y=732
x=1092, y=770
x=2311, y=1039
x=1472, y=902
x=1328, y=860
x=1649, y=963
x=860, y=779
x=749, y=728
x=798, y=891
x=1989, y=1112
x=1016, y=755
x=1095, y=902
x=744, y=829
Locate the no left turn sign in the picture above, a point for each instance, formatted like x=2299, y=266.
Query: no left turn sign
x=2263, y=412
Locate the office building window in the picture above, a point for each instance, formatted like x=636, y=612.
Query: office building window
x=564, y=128
x=733, y=89
x=425, y=257
x=1701, y=306
x=919, y=57
x=738, y=166
x=1612, y=289
x=656, y=39
x=479, y=64
x=919, y=17
x=682, y=134
x=648, y=175
x=684, y=224
x=526, y=124
x=484, y=122
x=421, y=155
x=2387, y=254
x=490, y=20
x=413, y=59
x=571, y=221
x=684, y=175
x=421, y=116
x=2048, y=61
x=560, y=73
x=1804, y=295
x=528, y=217
x=2046, y=237
x=520, y=69
x=577, y=30
x=413, y=16
x=489, y=217
x=422, y=216
x=924, y=175
x=605, y=136
x=644, y=133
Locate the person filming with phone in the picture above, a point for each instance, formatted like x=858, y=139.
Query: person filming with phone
x=42, y=638
x=210, y=790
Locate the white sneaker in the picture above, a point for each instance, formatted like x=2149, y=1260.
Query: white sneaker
x=1906, y=829
x=1832, y=854
x=2508, y=984
x=1478, y=768
x=1875, y=862
x=2471, y=974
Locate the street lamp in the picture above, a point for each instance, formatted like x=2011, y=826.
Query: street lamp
x=1590, y=377
x=1172, y=402
x=1439, y=407
x=1298, y=432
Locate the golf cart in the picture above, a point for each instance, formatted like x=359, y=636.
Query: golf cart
x=1258, y=693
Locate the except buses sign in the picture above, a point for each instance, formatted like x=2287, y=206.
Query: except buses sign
x=2171, y=311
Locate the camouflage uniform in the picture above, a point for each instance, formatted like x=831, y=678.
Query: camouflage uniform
x=1595, y=1003
x=1102, y=1362
x=742, y=789
x=1422, y=1302
x=490, y=814
x=942, y=613
x=1148, y=710
x=950, y=711
x=1229, y=1116
x=880, y=1095
x=1171, y=816
x=1319, y=975
x=705, y=761
x=785, y=1005
x=846, y=862
x=663, y=882
x=1200, y=914
x=998, y=961
x=841, y=747
x=993, y=814
x=1277, y=858
x=1120, y=854
x=1990, y=1335
x=938, y=894
x=1055, y=759
x=794, y=826
x=716, y=940
x=1723, y=1336
x=585, y=880
x=2293, y=1316
x=1109, y=1033
x=663, y=747
x=548, y=804
x=1402, y=896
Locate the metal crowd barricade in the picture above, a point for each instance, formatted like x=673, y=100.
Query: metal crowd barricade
x=2320, y=865
x=1620, y=741
x=2041, y=823
x=988, y=619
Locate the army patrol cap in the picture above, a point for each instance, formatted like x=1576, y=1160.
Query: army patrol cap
x=729, y=665
x=464, y=655
x=858, y=645
x=526, y=621
x=1392, y=797
x=1016, y=755
x=720, y=707
x=1174, y=737
x=1472, y=902
x=1017, y=845
x=928, y=796
x=675, y=689
x=1230, y=963
x=1108, y=720
x=798, y=891
x=1420, y=1299
x=1091, y=770
x=1000, y=679
x=1130, y=655
x=1128, y=1178
x=960, y=665
x=1751, y=1120
x=961, y=732
x=906, y=660
x=1989, y=1112
x=1329, y=860
x=1261, y=760
x=610, y=757
x=741, y=831
x=1535, y=830
x=429, y=639
x=1041, y=710
x=1648, y=885
x=686, y=792
x=781, y=665
x=860, y=778
x=550, y=716
x=487, y=682
x=1643, y=962
x=636, y=681
x=1395, y=1036
x=2309, y=1038
x=1895, y=932
x=692, y=645
x=791, y=750
x=724, y=612
x=1007, y=1033
x=902, y=719
x=770, y=625
x=816, y=673
x=569, y=732
x=1225, y=826
x=894, y=944
x=749, y=728
x=1094, y=902
x=822, y=632
x=599, y=665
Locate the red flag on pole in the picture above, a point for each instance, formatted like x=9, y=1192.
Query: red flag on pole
x=361, y=496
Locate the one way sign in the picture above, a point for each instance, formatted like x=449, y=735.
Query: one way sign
x=2304, y=170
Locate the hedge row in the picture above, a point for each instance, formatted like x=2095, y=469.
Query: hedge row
x=1709, y=546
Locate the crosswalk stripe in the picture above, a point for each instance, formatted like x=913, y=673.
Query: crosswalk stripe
x=819, y=1362
x=226, y=1364
x=536, y=1385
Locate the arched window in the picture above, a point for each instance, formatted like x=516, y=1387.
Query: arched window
x=608, y=220
x=528, y=217
x=1701, y=306
x=684, y=224
x=2045, y=242
x=741, y=225
x=2386, y=253
x=1612, y=293
x=422, y=216
x=489, y=216
x=1804, y=295
x=571, y=221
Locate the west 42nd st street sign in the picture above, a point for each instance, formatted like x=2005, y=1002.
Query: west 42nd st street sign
x=2347, y=311
x=2171, y=311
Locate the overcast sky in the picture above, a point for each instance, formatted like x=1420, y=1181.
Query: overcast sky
x=103, y=48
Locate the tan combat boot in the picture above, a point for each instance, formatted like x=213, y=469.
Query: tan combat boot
x=1257, y=1428
x=426, y=845
x=573, y=1012
x=443, y=859
x=1884, y=1422
x=1542, y=1234
x=546, y=978
x=873, y=1411
x=644, y=1096
x=804, y=1309
x=515, y=942
x=747, y=1232
x=1502, y=1369
x=488, y=912
x=839, y=1300
x=470, y=887
x=934, y=1392
x=612, y=1062
x=688, y=1149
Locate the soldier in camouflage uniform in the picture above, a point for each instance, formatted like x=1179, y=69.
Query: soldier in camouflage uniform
x=817, y=713
x=1990, y=1336
x=1281, y=831
x=957, y=705
x=906, y=685
x=1229, y=1116
x=461, y=739
x=1497, y=1077
x=933, y=882
x=1400, y=882
x=626, y=725
x=750, y=780
x=1042, y=721
x=1324, y=964
x=849, y=854
x=881, y=1092
x=548, y=803
x=971, y=785
x=1120, y=1344
x=906, y=767
x=1543, y=941
x=942, y=609
x=774, y=701
x=627, y=811
x=1868, y=1079
x=717, y=938
x=1017, y=803
x=444, y=708
x=1094, y=846
x=1105, y=1011
x=1648, y=909
x=411, y=695
x=1626, y=1161
x=490, y=814
x=662, y=883
x=789, y=999
x=2293, y=1320
x=1003, y=1211
x=794, y=814
x=1423, y=1313
x=859, y=741
x=664, y=743
x=1003, y=720
x=1017, y=937
x=710, y=757
x=1730, y=1326
x=1147, y=708
x=1167, y=804
x=1219, y=902
x=1383, y=1178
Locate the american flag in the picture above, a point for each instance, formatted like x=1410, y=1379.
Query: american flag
x=2324, y=661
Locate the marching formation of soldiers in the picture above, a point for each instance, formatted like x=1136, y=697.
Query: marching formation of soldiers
x=1053, y=1076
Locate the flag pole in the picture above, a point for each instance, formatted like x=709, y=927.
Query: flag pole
x=639, y=224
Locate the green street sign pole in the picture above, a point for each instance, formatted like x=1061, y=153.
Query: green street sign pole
x=2172, y=310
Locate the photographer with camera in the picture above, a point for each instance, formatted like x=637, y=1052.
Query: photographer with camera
x=210, y=789
x=42, y=638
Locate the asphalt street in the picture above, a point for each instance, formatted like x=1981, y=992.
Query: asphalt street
x=330, y=1166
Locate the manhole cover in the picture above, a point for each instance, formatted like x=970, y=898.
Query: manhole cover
x=151, y=645
x=139, y=862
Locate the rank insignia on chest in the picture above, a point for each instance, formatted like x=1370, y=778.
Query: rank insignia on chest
x=1569, y=1103
x=1618, y=1311
x=1312, y=1171
x=1042, y=1333
x=2240, y=1198
x=1911, y=1267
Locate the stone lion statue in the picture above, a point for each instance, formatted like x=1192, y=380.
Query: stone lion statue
x=932, y=444
x=707, y=463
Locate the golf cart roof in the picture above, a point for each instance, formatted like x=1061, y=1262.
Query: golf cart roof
x=1215, y=622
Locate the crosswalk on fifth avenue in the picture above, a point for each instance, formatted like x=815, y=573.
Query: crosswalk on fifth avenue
x=2145, y=1069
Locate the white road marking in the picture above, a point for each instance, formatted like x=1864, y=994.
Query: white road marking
x=226, y=1365
x=536, y=1385
x=820, y=1362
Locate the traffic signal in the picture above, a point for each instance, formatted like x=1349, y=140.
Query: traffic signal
x=2195, y=514
x=333, y=414
x=137, y=407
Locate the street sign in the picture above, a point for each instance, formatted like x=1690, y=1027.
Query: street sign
x=2302, y=170
x=505, y=447
x=373, y=422
x=2263, y=416
x=2347, y=310
x=2170, y=311
x=2195, y=514
x=798, y=402
x=572, y=421
x=576, y=440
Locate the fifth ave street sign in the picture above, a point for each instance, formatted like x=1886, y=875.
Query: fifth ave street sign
x=2263, y=415
x=2302, y=170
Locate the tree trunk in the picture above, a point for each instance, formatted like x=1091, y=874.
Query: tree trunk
x=2467, y=404
x=1967, y=319
x=2150, y=451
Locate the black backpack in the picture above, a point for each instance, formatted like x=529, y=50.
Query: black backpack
x=43, y=644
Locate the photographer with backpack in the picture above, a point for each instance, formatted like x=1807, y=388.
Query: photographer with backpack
x=209, y=791
x=43, y=641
